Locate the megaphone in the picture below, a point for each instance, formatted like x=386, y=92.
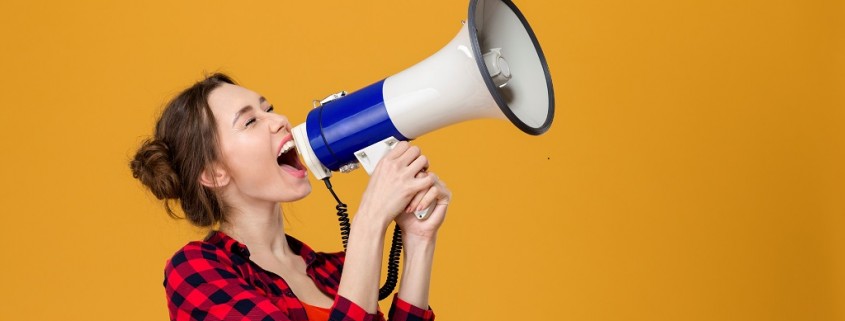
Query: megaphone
x=493, y=68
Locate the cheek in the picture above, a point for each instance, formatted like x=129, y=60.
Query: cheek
x=245, y=156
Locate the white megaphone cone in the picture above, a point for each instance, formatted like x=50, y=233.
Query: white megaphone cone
x=493, y=68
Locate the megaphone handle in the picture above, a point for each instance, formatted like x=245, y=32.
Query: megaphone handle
x=369, y=157
x=422, y=214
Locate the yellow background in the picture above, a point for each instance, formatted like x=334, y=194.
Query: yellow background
x=695, y=169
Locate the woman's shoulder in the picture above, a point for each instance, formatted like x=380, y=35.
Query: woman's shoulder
x=215, y=247
x=200, y=262
x=196, y=250
x=202, y=255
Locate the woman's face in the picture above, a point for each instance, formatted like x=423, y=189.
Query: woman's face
x=251, y=137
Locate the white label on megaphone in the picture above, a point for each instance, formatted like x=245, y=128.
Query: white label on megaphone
x=370, y=155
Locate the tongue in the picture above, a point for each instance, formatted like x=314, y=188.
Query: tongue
x=293, y=170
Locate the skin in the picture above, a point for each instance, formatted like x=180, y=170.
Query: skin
x=253, y=186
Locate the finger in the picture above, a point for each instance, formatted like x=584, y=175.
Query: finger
x=424, y=183
x=420, y=164
x=398, y=150
x=433, y=194
x=445, y=194
x=419, y=185
x=409, y=155
x=418, y=197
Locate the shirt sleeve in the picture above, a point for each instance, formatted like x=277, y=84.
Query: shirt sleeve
x=203, y=286
x=346, y=310
x=404, y=311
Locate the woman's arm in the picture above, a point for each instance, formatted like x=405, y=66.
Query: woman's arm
x=419, y=239
x=392, y=186
x=362, y=267
x=416, y=273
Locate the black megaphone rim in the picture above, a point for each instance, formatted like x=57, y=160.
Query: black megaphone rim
x=497, y=96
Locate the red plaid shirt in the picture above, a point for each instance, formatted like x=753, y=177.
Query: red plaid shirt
x=215, y=280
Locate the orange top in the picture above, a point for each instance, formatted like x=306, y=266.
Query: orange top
x=316, y=313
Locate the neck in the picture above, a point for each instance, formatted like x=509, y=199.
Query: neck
x=261, y=229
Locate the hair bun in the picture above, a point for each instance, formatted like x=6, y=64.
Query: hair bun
x=152, y=166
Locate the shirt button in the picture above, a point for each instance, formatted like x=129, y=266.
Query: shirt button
x=289, y=293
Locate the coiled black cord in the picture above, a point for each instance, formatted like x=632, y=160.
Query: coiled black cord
x=395, y=246
x=392, y=264
x=342, y=215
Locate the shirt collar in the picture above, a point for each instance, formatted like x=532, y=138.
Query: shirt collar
x=224, y=241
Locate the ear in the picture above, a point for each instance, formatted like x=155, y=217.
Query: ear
x=214, y=176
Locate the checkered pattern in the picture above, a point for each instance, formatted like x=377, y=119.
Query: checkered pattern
x=215, y=280
x=401, y=310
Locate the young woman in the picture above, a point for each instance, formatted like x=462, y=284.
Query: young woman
x=223, y=154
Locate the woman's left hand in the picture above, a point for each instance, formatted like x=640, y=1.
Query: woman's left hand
x=414, y=229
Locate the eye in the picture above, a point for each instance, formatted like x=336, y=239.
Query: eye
x=249, y=122
x=271, y=109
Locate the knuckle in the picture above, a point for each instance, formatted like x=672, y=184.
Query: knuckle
x=388, y=161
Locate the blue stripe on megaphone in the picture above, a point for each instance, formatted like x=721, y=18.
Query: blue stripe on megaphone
x=341, y=127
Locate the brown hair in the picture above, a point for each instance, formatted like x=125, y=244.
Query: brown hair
x=183, y=145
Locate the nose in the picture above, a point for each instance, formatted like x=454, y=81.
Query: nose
x=278, y=123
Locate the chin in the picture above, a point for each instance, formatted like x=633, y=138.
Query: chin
x=298, y=194
x=306, y=191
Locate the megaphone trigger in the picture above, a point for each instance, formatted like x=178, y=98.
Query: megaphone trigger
x=423, y=214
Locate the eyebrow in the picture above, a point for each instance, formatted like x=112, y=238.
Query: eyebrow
x=246, y=108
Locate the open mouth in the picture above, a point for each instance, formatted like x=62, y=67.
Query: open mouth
x=288, y=156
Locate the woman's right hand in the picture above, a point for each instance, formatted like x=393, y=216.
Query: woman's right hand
x=394, y=183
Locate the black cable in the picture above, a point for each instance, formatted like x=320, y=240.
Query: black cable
x=392, y=264
x=395, y=246
x=342, y=215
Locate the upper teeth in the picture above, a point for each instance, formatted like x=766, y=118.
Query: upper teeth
x=286, y=147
